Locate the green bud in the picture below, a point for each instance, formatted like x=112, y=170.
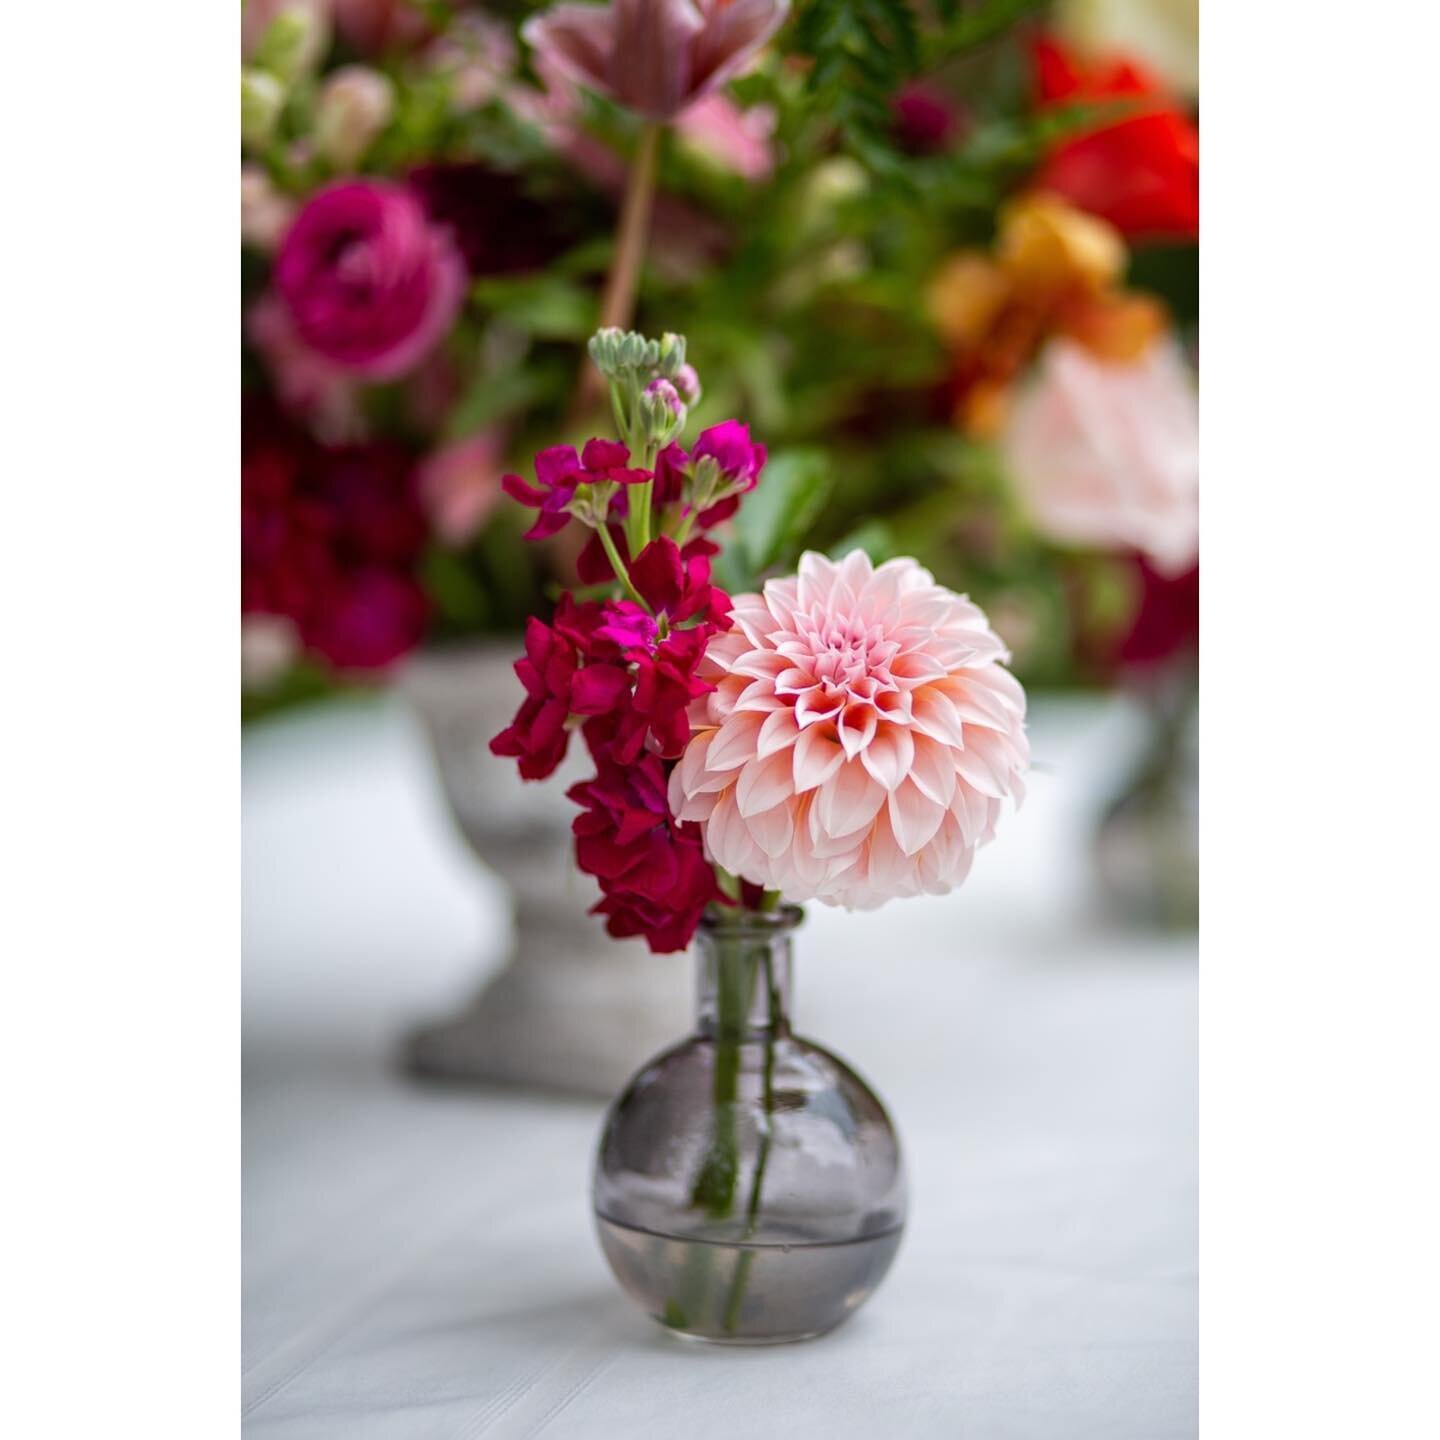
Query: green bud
x=604, y=350
x=294, y=42
x=661, y=413
x=262, y=98
x=671, y=356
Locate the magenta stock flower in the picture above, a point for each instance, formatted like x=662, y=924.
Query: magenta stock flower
x=860, y=737
x=656, y=57
x=556, y=687
x=654, y=878
x=559, y=471
x=370, y=283
x=735, y=465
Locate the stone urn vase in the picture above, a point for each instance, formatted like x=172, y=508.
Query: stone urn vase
x=571, y=1009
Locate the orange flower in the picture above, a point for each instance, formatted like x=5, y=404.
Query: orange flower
x=1053, y=270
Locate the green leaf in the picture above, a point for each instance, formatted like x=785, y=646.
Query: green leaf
x=549, y=307
x=873, y=537
x=775, y=516
x=490, y=397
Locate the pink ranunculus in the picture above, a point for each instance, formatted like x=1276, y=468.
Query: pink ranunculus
x=860, y=738
x=1108, y=454
x=656, y=57
x=734, y=139
x=460, y=485
x=370, y=283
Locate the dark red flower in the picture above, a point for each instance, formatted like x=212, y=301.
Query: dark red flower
x=495, y=223
x=1141, y=173
x=654, y=878
x=560, y=472
x=1167, y=621
x=330, y=538
x=926, y=121
x=370, y=619
x=557, y=686
x=665, y=657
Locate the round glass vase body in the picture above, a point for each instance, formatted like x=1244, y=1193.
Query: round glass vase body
x=749, y=1187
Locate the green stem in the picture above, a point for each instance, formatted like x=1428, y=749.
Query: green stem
x=752, y=1207
x=617, y=306
x=618, y=565
x=714, y=1188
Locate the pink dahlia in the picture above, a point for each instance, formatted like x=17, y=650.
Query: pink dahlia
x=860, y=737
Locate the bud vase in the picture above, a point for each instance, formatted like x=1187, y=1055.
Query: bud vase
x=749, y=1186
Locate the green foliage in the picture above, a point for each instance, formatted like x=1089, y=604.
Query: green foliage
x=775, y=517
x=548, y=306
x=865, y=50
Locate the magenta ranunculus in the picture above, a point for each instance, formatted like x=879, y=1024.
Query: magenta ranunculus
x=370, y=283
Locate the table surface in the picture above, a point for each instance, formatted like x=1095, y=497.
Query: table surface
x=419, y=1261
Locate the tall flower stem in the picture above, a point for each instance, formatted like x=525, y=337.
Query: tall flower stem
x=617, y=305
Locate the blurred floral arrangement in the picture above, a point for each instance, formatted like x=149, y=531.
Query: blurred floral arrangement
x=943, y=257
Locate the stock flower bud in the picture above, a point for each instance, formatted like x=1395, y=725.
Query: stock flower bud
x=356, y=104
x=262, y=98
x=662, y=412
x=687, y=382
x=670, y=354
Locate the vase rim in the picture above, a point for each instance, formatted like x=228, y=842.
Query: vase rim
x=730, y=921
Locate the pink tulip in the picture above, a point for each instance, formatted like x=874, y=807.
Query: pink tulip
x=656, y=57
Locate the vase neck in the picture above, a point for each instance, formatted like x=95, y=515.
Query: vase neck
x=744, y=974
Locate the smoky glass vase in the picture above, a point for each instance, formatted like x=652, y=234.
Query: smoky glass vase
x=748, y=1187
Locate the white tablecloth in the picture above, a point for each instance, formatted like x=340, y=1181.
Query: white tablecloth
x=419, y=1262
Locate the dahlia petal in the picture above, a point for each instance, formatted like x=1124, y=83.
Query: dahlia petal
x=779, y=732
x=764, y=783
x=734, y=742
x=759, y=696
x=979, y=773
x=889, y=755
x=818, y=755
x=914, y=818
x=814, y=706
x=856, y=727
x=849, y=799
x=932, y=769
x=773, y=830
x=935, y=716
